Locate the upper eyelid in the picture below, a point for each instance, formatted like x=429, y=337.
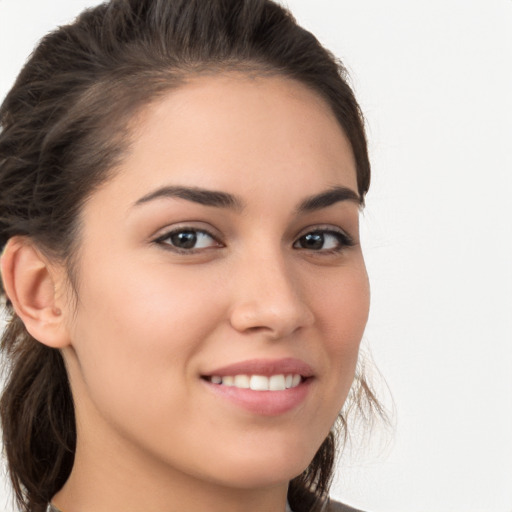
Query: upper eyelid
x=187, y=226
x=345, y=238
x=217, y=236
x=325, y=228
x=169, y=246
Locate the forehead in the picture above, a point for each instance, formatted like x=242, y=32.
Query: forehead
x=240, y=134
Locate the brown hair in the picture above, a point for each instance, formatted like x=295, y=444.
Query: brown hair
x=64, y=129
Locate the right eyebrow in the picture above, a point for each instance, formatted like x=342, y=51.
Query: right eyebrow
x=196, y=195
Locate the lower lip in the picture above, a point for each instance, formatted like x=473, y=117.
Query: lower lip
x=264, y=403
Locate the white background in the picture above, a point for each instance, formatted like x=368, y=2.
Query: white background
x=434, y=80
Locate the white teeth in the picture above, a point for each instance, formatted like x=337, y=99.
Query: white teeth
x=278, y=382
x=228, y=381
x=259, y=383
x=242, y=381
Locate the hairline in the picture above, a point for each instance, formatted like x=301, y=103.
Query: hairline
x=124, y=125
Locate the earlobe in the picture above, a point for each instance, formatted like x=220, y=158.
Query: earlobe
x=30, y=284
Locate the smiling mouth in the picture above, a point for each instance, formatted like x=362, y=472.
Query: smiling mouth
x=279, y=382
x=265, y=387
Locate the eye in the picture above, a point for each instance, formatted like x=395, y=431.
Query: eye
x=188, y=240
x=323, y=240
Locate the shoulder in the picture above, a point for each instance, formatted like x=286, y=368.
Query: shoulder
x=335, y=506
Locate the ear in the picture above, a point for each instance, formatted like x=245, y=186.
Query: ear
x=32, y=285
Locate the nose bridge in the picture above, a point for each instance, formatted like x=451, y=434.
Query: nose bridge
x=268, y=295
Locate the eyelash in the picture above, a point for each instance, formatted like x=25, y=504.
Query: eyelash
x=165, y=240
x=343, y=240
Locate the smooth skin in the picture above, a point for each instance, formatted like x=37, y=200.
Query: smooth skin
x=170, y=289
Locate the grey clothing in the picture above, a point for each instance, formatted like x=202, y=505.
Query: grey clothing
x=332, y=506
x=335, y=506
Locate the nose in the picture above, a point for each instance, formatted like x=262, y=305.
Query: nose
x=269, y=299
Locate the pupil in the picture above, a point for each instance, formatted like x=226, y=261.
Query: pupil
x=184, y=239
x=313, y=241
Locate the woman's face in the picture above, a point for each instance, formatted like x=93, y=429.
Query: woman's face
x=223, y=254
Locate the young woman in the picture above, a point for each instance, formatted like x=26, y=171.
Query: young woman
x=180, y=185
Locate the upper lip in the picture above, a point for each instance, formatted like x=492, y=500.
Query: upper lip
x=266, y=367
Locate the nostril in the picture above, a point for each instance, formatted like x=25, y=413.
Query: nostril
x=257, y=328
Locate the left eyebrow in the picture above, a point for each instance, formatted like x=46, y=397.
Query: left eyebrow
x=328, y=198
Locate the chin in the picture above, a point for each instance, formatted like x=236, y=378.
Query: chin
x=264, y=468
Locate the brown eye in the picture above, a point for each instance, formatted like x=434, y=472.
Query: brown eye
x=188, y=240
x=314, y=241
x=184, y=239
x=323, y=240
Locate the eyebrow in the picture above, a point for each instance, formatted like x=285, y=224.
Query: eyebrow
x=196, y=195
x=225, y=200
x=328, y=198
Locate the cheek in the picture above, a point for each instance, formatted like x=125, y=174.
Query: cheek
x=148, y=304
x=342, y=311
x=136, y=333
